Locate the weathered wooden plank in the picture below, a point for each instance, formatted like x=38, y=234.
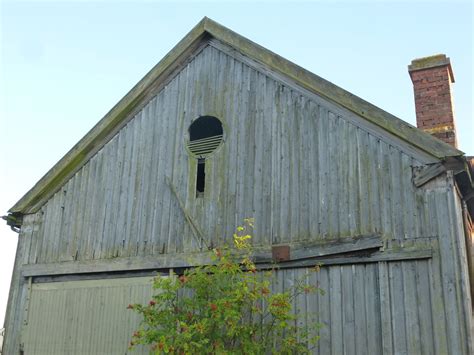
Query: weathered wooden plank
x=409, y=209
x=363, y=181
x=90, y=203
x=260, y=139
x=324, y=313
x=336, y=324
x=348, y=309
x=361, y=313
x=353, y=184
x=64, y=220
x=449, y=279
x=397, y=193
x=131, y=246
x=114, y=174
x=455, y=207
x=143, y=211
x=333, y=176
x=374, y=333
x=313, y=122
x=294, y=180
x=303, y=183
x=456, y=232
x=374, y=184
x=159, y=180
x=342, y=245
x=193, y=259
x=343, y=177
x=423, y=306
x=385, y=189
x=412, y=321
x=323, y=171
x=397, y=307
x=423, y=174
x=385, y=308
x=119, y=227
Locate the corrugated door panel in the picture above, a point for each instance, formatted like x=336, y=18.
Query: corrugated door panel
x=84, y=317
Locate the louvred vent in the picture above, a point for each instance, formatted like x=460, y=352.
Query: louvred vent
x=205, y=135
x=205, y=146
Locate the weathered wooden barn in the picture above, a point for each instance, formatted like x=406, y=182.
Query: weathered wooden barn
x=222, y=129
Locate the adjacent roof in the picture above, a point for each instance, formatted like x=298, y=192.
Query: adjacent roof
x=104, y=130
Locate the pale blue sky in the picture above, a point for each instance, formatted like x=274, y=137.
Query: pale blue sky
x=65, y=64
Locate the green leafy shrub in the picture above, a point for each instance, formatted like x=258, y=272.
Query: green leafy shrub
x=224, y=308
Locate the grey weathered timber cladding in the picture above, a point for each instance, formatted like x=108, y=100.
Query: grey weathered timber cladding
x=288, y=160
x=307, y=169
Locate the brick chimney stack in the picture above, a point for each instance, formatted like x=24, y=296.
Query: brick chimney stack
x=432, y=78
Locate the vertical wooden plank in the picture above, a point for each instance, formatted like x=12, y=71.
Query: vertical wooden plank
x=43, y=247
x=64, y=234
x=323, y=171
x=438, y=312
x=424, y=307
x=113, y=176
x=132, y=241
x=409, y=209
x=165, y=153
x=333, y=176
x=348, y=322
x=304, y=169
x=259, y=137
x=324, y=312
x=86, y=237
x=448, y=273
x=313, y=195
x=464, y=295
x=385, y=189
x=353, y=184
x=412, y=322
x=143, y=220
x=374, y=185
x=397, y=193
x=361, y=313
x=385, y=308
x=124, y=164
x=373, y=307
x=397, y=307
x=173, y=141
x=97, y=216
x=276, y=163
x=103, y=183
x=159, y=183
x=337, y=322
x=363, y=181
x=343, y=178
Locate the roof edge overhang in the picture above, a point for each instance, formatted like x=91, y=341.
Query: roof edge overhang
x=104, y=130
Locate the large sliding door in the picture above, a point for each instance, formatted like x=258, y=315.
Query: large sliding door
x=83, y=317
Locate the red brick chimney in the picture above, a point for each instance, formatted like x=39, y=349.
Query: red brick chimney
x=432, y=78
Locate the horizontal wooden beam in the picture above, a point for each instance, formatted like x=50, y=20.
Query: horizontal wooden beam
x=388, y=255
x=363, y=249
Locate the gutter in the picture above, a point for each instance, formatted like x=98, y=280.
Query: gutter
x=14, y=220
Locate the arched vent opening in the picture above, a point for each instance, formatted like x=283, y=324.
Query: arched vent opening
x=205, y=135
